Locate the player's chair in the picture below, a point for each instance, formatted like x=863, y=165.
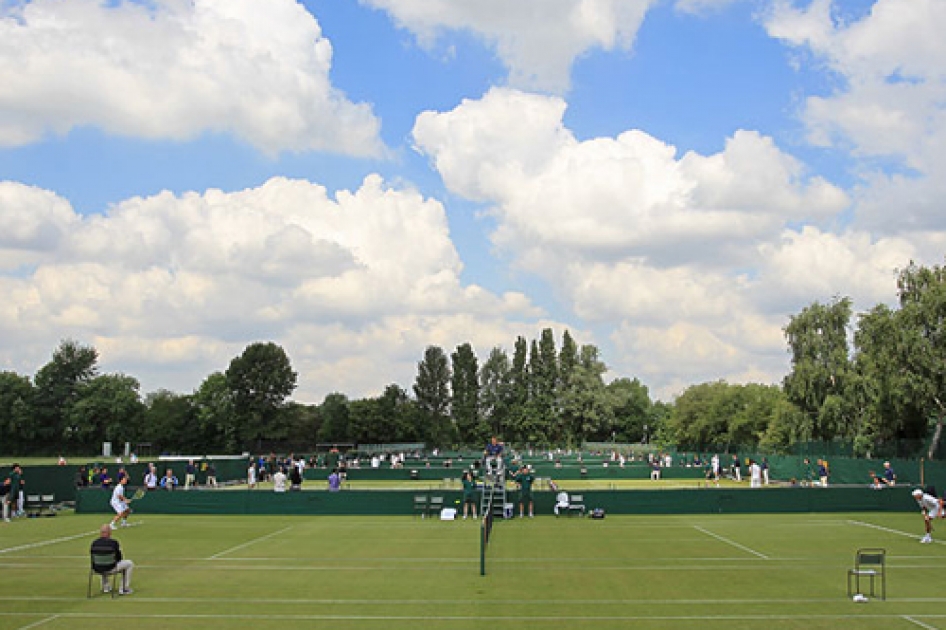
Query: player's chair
x=97, y=570
x=576, y=504
x=436, y=505
x=869, y=564
x=420, y=504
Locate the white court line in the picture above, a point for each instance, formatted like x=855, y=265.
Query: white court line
x=731, y=542
x=919, y=623
x=248, y=543
x=47, y=620
x=891, y=531
x=474, y=617
x=49, y=542
x=445, y=602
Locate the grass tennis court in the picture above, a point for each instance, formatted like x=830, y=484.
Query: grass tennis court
x=688, y=571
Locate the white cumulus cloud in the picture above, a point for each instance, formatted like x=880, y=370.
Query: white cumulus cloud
x=354, y=285
x=175, y=69
x=692, y=259
x=537, y=40
x=889, y=104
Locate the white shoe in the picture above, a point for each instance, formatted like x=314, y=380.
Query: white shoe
x=926, y=539
x=125, y=591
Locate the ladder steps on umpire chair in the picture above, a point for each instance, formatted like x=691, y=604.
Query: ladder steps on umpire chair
x=496, y=485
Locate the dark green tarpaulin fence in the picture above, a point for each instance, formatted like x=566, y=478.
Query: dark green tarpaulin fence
x=394, y=502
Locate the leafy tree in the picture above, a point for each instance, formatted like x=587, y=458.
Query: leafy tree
x=519, y=394
x=495, y=392
x=334, y=411
x=466, y=393
x=817, y=339
x=787, y=426
x=57, y=388
x=533, y=425
x=364, y=420
x=259, y=381
x=302, y=423
x=585, y=403
x=169, y=423
x=922, y=317
x=400, y=416
x=108, y=408
x=215, y=413
x=699, y=419
x=544, y=369
x=632, y=409
x=432, y=392
x=18, y=428
x=567, y=386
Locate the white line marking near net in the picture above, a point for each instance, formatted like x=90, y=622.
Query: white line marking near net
x=49, y=542
x=248, y=543
x=920, y=623
x=891, y=531
x=731, y=542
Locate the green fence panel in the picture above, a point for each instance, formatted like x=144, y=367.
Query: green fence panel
x=401, y=502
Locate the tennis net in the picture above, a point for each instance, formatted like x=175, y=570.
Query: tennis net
x=486, y=527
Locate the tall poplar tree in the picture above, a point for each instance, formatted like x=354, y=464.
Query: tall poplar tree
x=495, y=391
x=432, y=392
x=465, y=387
x=520, y=391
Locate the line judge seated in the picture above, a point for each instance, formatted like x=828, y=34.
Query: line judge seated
x=107, y=559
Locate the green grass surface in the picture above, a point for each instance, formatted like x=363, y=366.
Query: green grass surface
x=643, y=572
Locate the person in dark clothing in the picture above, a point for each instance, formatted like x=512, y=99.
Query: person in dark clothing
x=107, y=558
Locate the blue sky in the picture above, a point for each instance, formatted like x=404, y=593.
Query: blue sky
x=670, y=180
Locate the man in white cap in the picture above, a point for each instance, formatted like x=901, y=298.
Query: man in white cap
x=932, y=507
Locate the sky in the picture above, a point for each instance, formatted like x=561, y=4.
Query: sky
x=356, y=180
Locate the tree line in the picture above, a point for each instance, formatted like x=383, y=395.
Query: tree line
x=875, y=382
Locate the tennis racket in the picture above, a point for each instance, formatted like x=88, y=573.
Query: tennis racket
x=139, y=494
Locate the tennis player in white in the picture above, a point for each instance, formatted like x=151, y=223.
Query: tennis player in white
x=120, y=503
x=932, y=507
